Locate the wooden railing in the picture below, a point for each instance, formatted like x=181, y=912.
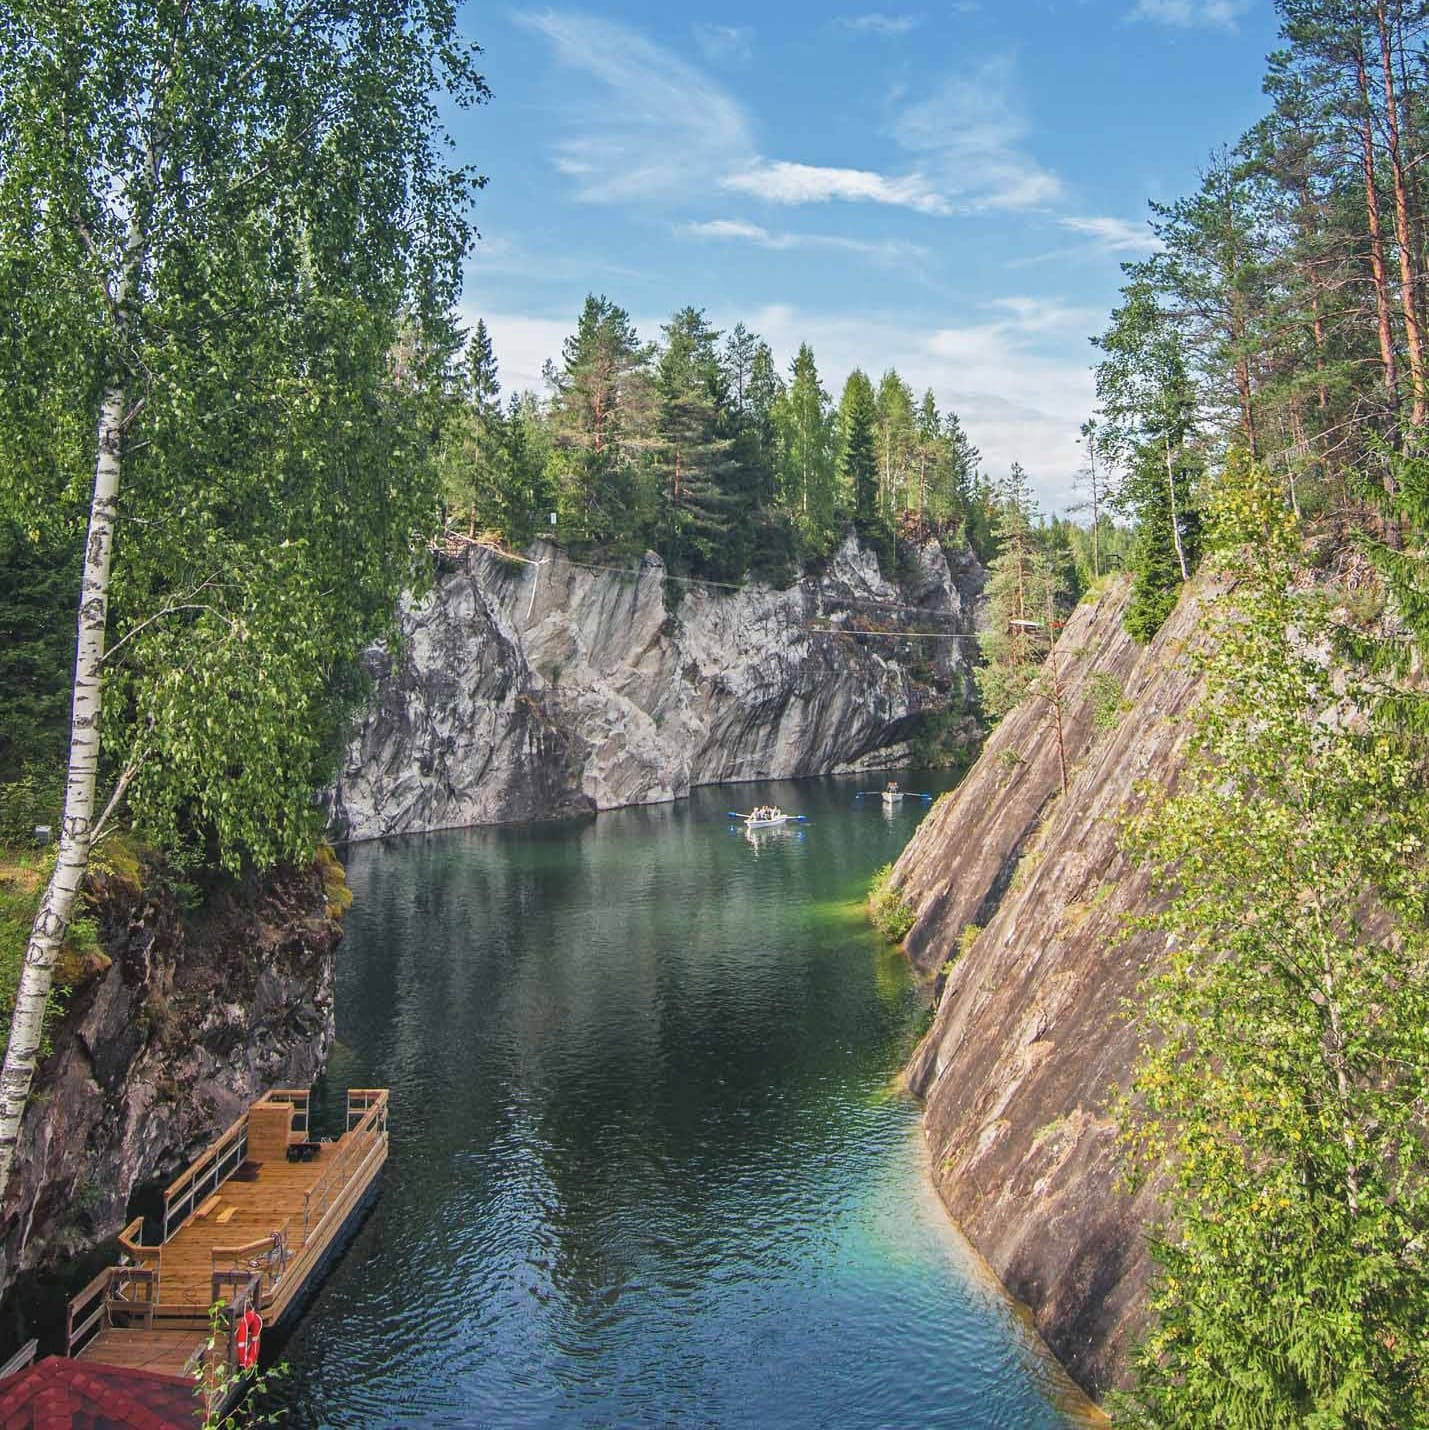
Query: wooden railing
x=22, y=1357
x=133, y=1249
x=366, y=1136
x=188, y=1191
x=297, y=1098
x=214, y=1362
x=262, y=1261
x=118, y=1296
x=361, y=1100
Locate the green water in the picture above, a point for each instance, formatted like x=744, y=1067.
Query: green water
x=650, y=1164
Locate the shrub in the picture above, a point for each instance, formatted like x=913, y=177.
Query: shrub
x=1107, y=700
x=893, y=916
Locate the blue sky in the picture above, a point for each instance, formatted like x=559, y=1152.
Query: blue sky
x=947, y=188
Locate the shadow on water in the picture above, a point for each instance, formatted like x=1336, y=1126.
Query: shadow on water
x=649, y=1164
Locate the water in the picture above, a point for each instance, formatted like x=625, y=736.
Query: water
x=650, y=1164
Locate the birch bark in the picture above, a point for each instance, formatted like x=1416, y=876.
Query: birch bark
x=77, y=829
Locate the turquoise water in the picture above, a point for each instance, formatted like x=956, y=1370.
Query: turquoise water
x=650, y=1162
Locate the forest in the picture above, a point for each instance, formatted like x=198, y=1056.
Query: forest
x=1262, y=407
x=696, y=446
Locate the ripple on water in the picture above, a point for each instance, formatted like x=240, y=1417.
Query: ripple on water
x=646, y=1165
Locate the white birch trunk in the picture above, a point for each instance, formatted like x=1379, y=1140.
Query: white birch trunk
x=1175, y=515
x=77, y=830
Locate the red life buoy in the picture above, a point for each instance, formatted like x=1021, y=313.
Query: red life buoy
x=245, y=1338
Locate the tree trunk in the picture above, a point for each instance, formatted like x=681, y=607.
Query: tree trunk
x=1413, y=337
x=1175, y=516
x=1378, y=271
x=77, y=830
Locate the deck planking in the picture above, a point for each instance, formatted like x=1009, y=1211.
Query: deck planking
x=308, y=1202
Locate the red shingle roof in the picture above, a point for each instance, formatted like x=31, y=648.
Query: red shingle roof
x=60, y=1394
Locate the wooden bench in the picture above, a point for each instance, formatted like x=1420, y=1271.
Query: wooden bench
x=207, y=1206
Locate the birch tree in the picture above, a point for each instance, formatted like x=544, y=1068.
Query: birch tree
x=215, y=223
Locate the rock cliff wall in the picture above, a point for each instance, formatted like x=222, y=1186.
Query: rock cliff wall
x=529, y=690
x=180, y=1022
x=1031, y=1043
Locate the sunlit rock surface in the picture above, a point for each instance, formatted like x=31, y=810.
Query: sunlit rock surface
x=1031, y=1040
x=543, y=689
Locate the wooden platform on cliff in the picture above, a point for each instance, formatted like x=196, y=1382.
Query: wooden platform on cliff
x=249, y=1224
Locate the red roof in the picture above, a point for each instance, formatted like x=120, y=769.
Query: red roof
x=60, y=1394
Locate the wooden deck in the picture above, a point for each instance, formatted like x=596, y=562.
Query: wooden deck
x=243, y=1225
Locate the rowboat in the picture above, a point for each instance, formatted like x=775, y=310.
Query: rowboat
x=766, y=817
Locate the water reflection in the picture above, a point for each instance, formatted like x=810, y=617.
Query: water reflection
x=649, y=1162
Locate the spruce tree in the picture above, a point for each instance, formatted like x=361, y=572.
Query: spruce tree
x=858, y=460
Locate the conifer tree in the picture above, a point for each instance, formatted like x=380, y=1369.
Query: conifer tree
x=805, y=433
x=602, y=410
x=698, y=471
x=858, y=462
x=1021, y=593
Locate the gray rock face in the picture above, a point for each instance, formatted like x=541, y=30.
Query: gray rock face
x=164, y=1041
x=530, y=690
x=1031, y=1043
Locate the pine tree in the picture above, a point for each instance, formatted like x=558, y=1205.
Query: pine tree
x=698, y=471
x=1022, y=592
x=602, y=411
x=1147, y=428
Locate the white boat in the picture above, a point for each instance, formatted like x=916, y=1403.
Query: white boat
x=765, y=817
x=892, y=795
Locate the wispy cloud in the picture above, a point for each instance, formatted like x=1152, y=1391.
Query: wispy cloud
x=878, y=23
x=720, y=44
x=782, y=182
x=1113, y=235
x=1191, y=14
x=970, y=134
x=887, y=252
x=663, y=128
x=657, y=127
x=1017, y=397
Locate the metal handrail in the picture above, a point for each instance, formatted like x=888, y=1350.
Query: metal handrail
x=297, y=1099
x=369, y=1107
x=265, y=1259
x=23, y=1357
x=204, y=1176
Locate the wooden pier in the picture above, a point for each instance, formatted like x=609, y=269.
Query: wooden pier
x=248, y=1224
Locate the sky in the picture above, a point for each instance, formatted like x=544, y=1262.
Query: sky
x=948, y=189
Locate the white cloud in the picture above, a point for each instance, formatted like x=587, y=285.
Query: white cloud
x=890, y=252
x=878, y=23
x=720, y=44
x=783, y=182
x=522, y=344
x=1114, y=235
x=1017, y=400
x=970, y=135
x=1191, y=14
x=658, y=127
